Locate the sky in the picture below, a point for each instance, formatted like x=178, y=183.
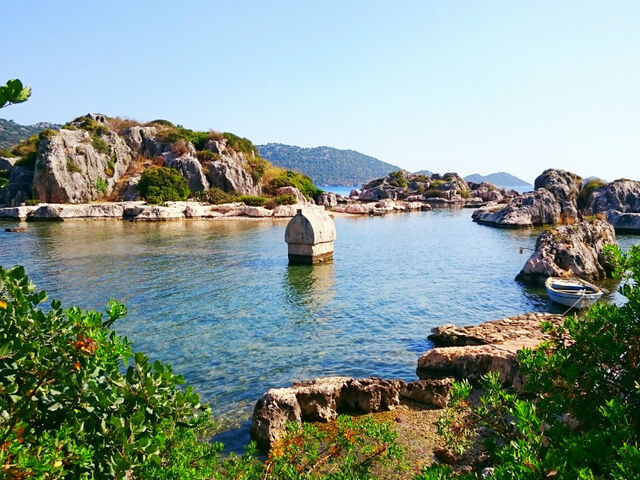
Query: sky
x=470, y=87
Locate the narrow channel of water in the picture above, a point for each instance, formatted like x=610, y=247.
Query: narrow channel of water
x=218, y=300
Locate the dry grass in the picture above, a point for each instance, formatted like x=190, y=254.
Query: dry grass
x=119, y=124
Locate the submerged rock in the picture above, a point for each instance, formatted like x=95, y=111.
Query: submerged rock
x=570, y=251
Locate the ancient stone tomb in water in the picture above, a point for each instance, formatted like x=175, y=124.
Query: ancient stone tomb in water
x=310, y=235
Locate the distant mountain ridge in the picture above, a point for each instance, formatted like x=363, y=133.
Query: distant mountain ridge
x=327, y=165
x=500, y=179
x=12, y=132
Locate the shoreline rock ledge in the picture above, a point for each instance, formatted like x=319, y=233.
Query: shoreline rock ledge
x=570, y=250
x=322, y=399
x=471, y=352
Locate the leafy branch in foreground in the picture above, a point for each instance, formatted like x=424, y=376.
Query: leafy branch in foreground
x=13, y=92
x=579, y=416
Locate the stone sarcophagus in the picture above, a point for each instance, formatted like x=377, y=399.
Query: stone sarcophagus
x=310, y=235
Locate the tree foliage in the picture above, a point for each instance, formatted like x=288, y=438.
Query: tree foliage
x=13, y=92
x=162, y=184
x=579, y=416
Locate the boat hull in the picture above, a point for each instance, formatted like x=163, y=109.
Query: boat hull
x=574, y=300
x=573, y=293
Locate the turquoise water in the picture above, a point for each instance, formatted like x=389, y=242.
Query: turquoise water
x=218, y=300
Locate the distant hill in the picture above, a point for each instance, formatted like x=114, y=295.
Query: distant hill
x=12, y=132
x=500, y=179
x=428, y=173
x=326, y=165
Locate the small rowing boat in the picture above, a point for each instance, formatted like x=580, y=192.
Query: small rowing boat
x=573, y=292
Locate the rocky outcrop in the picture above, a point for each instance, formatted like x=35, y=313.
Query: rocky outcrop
x=295, y=193
x=554, y=201
x=327, y=199
x=322, y=399
x=619, y=202
x=72, y=163
x=382, y=207
x=191, y=169
x=18, y=190
x=230, y=174
x=471, y=352
x=570, y=251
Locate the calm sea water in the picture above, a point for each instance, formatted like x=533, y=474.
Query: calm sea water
x=218, y=300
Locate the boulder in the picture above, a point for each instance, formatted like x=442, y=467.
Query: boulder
x=554, y=201
x=62, y=212
x=624, y=222
x=473, y=351
x=17, y=213
x=130, y=191
x=274, y=410
x=258, y=212
x=570, y=251
x=143, y=141
x=294, y=192
x=432, y=391
x=190, y=168
x=71, y=163
x=327, y=199
x=322, y=399
x=18, y=190
x=231, y=175
x=621, y=196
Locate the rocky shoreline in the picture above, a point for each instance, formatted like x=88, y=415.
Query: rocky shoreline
x=460, y=353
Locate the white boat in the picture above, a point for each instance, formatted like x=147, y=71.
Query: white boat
x=573, y=292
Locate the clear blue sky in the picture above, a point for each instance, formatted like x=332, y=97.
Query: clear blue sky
x=447, y=86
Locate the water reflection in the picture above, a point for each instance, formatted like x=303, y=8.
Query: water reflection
x=310, y=286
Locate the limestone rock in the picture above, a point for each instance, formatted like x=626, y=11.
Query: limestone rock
x=17, y=213
x=319, y=398
x=70, y=164
x=432, y=391
x=143, y=141
x=570, y=250
x=553, y=202
x=495, y=331
x=258, y=212
x=273, y=411
x=63, y=212
x=231, y=175
x=368, y=395
x=18, y=190
x=622, y=196
x=624, y=222
x=294, y=192
x=327, y=199
x=190, y=168
x=130, y=191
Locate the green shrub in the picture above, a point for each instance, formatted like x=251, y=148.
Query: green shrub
x=252, y=200
x=111, y=164
x=159, y=185
x=76, y=402
x=90, y=125
x=207, y=156
x=171, y=134
x=5, y=152
x=399, y=182
x=47, y=133
x=32, y=202
x=73, y=167
x=285, y=200
x=295, y=179
x=216, y=196
x=160, y=121
x=100, y=145
x=258, y=167
x=464, y=193
x=101, y=186
x=239, y=144
x=587, y=190
x=435, y=184
x=433, y=193
x=578, y=416
x=28, y=151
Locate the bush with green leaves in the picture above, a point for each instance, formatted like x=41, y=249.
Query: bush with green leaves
x=290, y=178
x=13, y=92
x=99, y=144
x=579, y=416
x=101, y=186
x=75, y=401
x=162, y=184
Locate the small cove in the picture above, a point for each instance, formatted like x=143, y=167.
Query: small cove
x=218, y=301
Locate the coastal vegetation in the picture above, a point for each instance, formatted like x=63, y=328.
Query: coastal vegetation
x=578, y=415
x=162, y=184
